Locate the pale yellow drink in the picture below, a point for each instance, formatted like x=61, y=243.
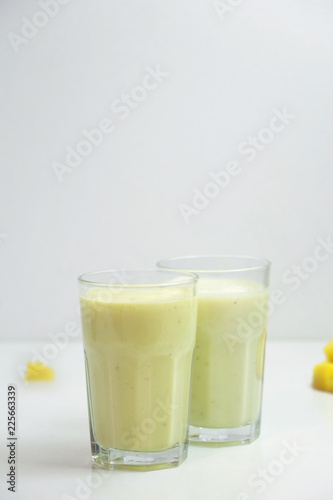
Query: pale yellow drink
x=229, y=354
x=138, y=348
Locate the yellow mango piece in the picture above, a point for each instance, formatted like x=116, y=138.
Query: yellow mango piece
x=38, y=372
x=329, y=351
x=323, y=376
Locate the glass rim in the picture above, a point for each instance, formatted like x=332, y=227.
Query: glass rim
x=190, y=278
x=262, y=263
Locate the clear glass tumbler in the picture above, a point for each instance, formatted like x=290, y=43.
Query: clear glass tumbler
x=139, y=331
x=228, y=363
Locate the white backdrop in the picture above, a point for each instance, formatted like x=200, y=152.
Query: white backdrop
x=214, y=136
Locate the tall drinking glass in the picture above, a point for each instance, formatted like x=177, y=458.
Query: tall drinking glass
x=139, y=333
x=228, y=363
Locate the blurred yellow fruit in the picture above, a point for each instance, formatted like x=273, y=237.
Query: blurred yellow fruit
x=38, y=371
x=329, y=351
x=323, y=376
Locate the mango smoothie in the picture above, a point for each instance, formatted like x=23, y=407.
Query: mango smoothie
x=229, y=353
x=138, y=352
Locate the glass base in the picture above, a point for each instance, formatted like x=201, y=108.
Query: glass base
x=112, y=458
x=230, y=436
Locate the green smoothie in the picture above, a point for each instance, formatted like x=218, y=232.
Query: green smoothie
x=229, y=353
x=138, y=349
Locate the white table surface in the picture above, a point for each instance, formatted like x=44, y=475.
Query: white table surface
x=292, y=459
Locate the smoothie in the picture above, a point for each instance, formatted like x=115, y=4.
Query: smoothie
x=229, y=353
x=138, y=351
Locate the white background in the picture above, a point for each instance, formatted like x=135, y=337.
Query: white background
x=120, y=207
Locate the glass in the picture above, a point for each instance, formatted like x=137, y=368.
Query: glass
x=139, y=334
x=228, y=364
